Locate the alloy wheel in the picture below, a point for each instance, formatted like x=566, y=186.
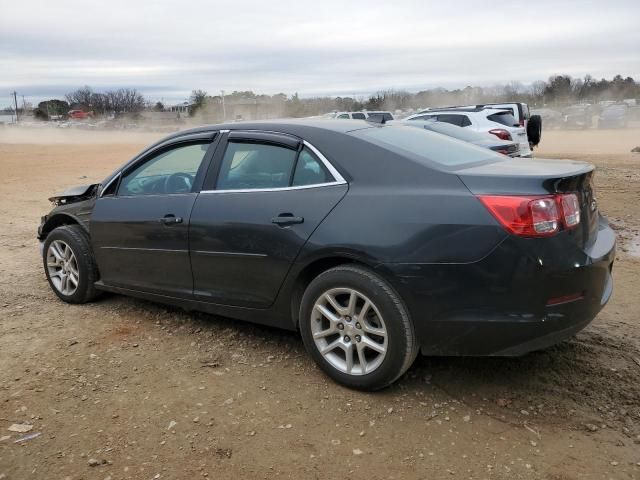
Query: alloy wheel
x=349, y=331
x=62, y=267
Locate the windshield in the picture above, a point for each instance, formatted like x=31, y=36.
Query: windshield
x=422, y=145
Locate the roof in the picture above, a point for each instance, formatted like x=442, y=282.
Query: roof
x=284, y=125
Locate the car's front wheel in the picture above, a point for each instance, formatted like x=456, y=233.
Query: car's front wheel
x=69, y=264
x=356, y=328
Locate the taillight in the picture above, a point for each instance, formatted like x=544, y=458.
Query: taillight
x=501, y=133
x=571, y=209
x=534, y=216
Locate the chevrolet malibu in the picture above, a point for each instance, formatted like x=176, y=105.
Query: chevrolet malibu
x=375, y=241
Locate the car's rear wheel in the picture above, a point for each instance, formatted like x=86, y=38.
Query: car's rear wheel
x=69, y=264
x=356, y=328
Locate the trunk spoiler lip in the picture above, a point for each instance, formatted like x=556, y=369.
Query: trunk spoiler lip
x=527, y=168
x=74, y=192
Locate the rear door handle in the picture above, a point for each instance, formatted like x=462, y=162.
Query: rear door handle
x=170, y=219
x=285, y=219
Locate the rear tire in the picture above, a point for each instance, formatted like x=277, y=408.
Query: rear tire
x=69, y=264
x=361, y=316
x=534, y=130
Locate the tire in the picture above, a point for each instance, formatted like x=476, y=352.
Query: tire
x=386, y=313
x=534, y=130
x=80, y=263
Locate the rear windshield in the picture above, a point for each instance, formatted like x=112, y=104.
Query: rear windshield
x=421, y=145
x=503, y=118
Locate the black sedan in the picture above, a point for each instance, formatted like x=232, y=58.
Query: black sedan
x=374, y=241
x=505, y=147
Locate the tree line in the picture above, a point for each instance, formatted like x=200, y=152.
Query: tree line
x=558, y=90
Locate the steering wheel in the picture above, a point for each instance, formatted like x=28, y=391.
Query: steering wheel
x=178, y=183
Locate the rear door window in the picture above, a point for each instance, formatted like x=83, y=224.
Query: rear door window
x=454, y=119
x=358, y=116
x=248, y=166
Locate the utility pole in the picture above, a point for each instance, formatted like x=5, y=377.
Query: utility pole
x=224, y=111
x=15, y=100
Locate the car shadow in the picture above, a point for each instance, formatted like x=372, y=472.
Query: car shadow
x=591, y=375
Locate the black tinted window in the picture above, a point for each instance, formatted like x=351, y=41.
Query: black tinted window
x=358, y=116
x=458, y=120
x=255, y=165
x=310, y=171
x=419, y=144
x=386, y=115
x=503, y=118
x=172, y=171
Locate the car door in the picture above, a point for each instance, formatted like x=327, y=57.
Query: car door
x=264, y=196
x=139, y=225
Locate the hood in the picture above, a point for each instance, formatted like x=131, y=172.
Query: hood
x=75, y=194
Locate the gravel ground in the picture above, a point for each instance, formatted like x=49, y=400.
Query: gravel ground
x=126, y=389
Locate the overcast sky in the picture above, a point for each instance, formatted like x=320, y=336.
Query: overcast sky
x=334, y=47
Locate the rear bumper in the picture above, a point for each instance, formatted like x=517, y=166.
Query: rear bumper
x=501, y=305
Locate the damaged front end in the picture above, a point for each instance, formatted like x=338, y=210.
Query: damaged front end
x=75, y=194
x=73, y=206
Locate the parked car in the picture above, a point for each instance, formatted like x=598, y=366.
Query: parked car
x=387, y=116
x=578, y=116
x=374, y=241
x=500, y=123
x=551, y=118
x=614, y=116
x=519, y=110
x=483, y=140
x=522, y=115
x=79, y=114
x=348, y=115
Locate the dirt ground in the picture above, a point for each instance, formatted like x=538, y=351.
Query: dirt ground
x=126, y=389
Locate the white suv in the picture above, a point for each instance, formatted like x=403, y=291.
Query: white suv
x=361, y=115
x=498, y=122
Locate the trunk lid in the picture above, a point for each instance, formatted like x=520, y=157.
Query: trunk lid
x=539, y=177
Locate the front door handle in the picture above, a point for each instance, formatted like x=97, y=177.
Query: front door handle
x=170, y=219
x=285, y=219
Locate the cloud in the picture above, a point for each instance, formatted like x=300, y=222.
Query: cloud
x=332, y=47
